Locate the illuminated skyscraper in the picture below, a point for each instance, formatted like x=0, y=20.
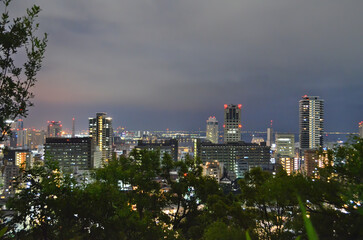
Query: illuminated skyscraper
x=100, y=129
x=54, y=129
x=212, y=130
x=232, y=123
x=311, y=119
x=361, y=129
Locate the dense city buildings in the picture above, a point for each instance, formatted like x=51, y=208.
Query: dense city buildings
x=12, y=162
x=361, y=129
x=72, y=154
x=232, y=123
x=237, y=157
x=36, y=138
x=100, y=129
x=18, y=135
x=212, y=130
x=54, y=129
x=311, y=120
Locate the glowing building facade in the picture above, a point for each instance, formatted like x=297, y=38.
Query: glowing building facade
x=285, y=144
x=212, y=130
x=311, y=120
x=100, y=129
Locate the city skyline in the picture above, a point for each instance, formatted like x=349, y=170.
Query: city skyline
x=157, y=65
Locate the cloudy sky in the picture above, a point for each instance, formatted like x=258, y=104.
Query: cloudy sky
x=157, y=64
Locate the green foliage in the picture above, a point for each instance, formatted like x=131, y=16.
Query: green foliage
x=18, y=38
x=248, y=236
x=3, y=231
x=308, y=225
x=220, y=231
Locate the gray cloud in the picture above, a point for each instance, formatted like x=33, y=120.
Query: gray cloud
x=187, y=58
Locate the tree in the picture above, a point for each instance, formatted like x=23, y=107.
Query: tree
x=18, y=40
x=42, y=188
x=53, y=205
x=221, y=231
x=271, y=201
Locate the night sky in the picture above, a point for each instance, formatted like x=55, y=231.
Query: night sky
x=157, y=64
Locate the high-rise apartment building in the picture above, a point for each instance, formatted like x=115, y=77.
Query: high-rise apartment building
x=54, y=129
x=100, y=129
x=361, y=129
x=232, y=123
x=311, y=120
x=212, y=130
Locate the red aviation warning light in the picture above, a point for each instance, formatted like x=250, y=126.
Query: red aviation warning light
x=225, y=106
x=240, y=125
x=224, y=125
x=239, y=106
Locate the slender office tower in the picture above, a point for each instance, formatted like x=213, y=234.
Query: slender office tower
x=311, y=119
x=212, y=130
x=232, y=123
x=73, y=128
x=361, y=129
x=100, y=129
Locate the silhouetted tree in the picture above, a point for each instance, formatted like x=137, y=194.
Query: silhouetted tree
x=17, y=37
